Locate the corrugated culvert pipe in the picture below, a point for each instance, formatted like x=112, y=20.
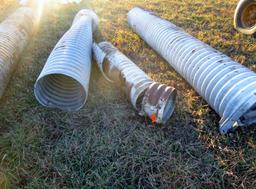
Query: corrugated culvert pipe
x=14, y=35
x=64, y=80
x=226, y=85
x=245, y=17
x=150, y=98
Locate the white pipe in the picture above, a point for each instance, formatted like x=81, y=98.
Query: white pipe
x=149, y=98
x=244, y=17
x=64, y=80
x=229, y=87
x=14, y=35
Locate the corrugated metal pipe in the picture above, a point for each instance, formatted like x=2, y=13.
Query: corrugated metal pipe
x=14, y=34
x=64, y=80
x=245, y=17
x=226, y=85
x=150, y=98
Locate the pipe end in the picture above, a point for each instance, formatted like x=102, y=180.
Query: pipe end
x=243, y=117
x=60, y=91
x=88, y=13
x=159, y=102
x=245, y=17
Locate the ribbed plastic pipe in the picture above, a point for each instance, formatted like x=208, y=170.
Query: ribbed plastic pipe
x=14, y=35
x=64, y=80
x=149, y=98
x=226, y=85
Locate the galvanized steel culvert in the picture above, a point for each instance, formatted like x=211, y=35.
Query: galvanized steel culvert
x=149, y=98
x=64, y=80
x=14, y=35
x=226, y=85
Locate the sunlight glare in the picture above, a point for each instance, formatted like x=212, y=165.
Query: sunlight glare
x=39, y=9
x=40, y=5
x=69, y=1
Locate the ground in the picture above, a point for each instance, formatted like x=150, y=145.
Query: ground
x=106, y=144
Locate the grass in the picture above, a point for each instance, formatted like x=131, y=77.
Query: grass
x=106, y=144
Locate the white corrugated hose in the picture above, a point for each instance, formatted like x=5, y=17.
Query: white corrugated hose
x=229, y=87
x=14, y=36
x=64, y=80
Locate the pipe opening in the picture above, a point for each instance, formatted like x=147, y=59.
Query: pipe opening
x=159, y=102
x=245, y=17
x=60, y=91
x=248, y=16
x=249, y=118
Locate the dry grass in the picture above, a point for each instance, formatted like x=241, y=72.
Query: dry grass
x=106, y=145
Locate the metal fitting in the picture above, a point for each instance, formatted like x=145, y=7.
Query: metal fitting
x=245, y=17
x=229, y=87
x=149, y=98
